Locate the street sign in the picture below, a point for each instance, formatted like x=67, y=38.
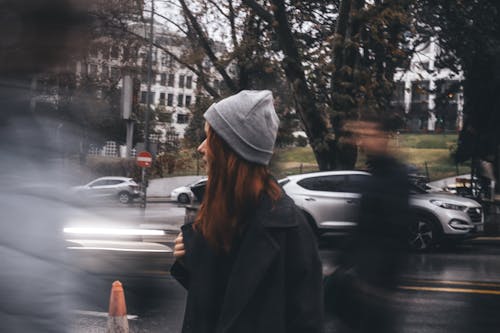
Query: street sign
x=144, y=159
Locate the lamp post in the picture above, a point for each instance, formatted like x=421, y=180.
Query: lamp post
x=148, y=103
x=149, y=79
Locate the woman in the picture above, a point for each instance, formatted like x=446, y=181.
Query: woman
x=249, y=261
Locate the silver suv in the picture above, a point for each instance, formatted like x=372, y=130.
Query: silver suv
x=122, y=189
x=330, y=202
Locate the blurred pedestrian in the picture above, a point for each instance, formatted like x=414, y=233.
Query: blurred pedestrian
x=249, y=261
x=36, y=37
x=360, y=290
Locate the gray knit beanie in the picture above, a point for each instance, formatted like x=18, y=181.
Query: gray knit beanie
x=247, y=122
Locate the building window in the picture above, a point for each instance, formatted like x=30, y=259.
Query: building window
x=115, y=52
x=180, y=100
x=188, y=101
x=189, y=82
x=165, y=117
x=182, y=118
x=181, y=81
x=93, y=70
x=115, y=73
x=171, y=79
x=163, y=79
x=398, y=96
x=126, y=54
x=144, y=94
x=105, y=53
x=93, y=51
x=162, y=98
x=105, y=73
x=420, y=91
x=170, y=100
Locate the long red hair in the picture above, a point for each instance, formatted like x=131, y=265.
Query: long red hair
x=232, y=193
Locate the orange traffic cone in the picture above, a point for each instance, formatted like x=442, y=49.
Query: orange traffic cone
x=117, y=318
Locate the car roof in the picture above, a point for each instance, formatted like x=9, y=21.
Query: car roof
x=328, y=173
x=112, y=178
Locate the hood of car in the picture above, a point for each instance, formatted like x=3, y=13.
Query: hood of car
x=181, y=189
x=447, y=197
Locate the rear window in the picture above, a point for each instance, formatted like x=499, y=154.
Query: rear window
x=334, y=183
x=114, y=181
x=283, y=182
x=324, y=183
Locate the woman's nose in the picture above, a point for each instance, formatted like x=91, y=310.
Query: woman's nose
x=202, y=147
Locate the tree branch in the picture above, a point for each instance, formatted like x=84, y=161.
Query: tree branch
x=205, y=44
x=218, y=8
x=231, y=17
x=259, y=10
x=181, y=29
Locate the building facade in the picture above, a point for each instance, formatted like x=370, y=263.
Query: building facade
x=173, y=86
x=431, y=98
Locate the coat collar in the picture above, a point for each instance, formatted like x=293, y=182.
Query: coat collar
x=280, y=214
x=257, y=252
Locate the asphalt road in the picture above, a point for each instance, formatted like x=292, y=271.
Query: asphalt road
x=449, y=290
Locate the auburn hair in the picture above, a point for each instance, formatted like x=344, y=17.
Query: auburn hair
x=232, y=193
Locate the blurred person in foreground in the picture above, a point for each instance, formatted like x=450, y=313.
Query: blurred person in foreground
x=36, y=36
x=359, y=291
x=250, y=261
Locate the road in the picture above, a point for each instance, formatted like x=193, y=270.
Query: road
x=449, y=290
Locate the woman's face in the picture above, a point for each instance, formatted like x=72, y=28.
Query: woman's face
x=203, y=147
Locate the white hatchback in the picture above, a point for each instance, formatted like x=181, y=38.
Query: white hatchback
x=184, y=194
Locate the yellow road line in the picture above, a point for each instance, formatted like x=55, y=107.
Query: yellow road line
x=460, y=283
x=485, y=238
x=452, y=290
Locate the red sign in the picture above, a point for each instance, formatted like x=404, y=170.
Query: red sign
x=144, y=159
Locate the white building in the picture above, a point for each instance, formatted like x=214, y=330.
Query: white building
x=416, y=91
x=173, y=86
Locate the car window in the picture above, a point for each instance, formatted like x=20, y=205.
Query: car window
x=199, y=181
x=355, y=183
x=335, y=183
x=415, y=189
x=99, y=183
x=114, y=181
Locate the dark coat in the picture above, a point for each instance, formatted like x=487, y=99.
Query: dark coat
x=276, y=281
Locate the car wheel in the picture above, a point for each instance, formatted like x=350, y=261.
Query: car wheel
x=124, y=197
x=423, y=233
x=183, y=198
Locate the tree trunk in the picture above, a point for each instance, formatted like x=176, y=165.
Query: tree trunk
x=316, y=123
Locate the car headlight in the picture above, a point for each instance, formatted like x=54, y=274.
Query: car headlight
x=447, y=205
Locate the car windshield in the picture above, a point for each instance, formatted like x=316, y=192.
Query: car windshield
x=199, y=181
x=417, y=189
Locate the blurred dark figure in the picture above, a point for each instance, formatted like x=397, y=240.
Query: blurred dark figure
x=35, y=36
x=359, y=291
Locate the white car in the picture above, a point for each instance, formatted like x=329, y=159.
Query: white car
x=123, y=189
x=184, y=194
x=330, y=202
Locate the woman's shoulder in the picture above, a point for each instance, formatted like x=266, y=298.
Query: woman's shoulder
x=280, y=213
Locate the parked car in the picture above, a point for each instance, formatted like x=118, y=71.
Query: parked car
x=330, y=202
x=184, y=194
x=122, y=189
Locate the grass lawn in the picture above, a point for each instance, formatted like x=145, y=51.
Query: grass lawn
x=428, y=152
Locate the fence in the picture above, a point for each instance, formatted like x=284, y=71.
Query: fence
x=111, y=149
